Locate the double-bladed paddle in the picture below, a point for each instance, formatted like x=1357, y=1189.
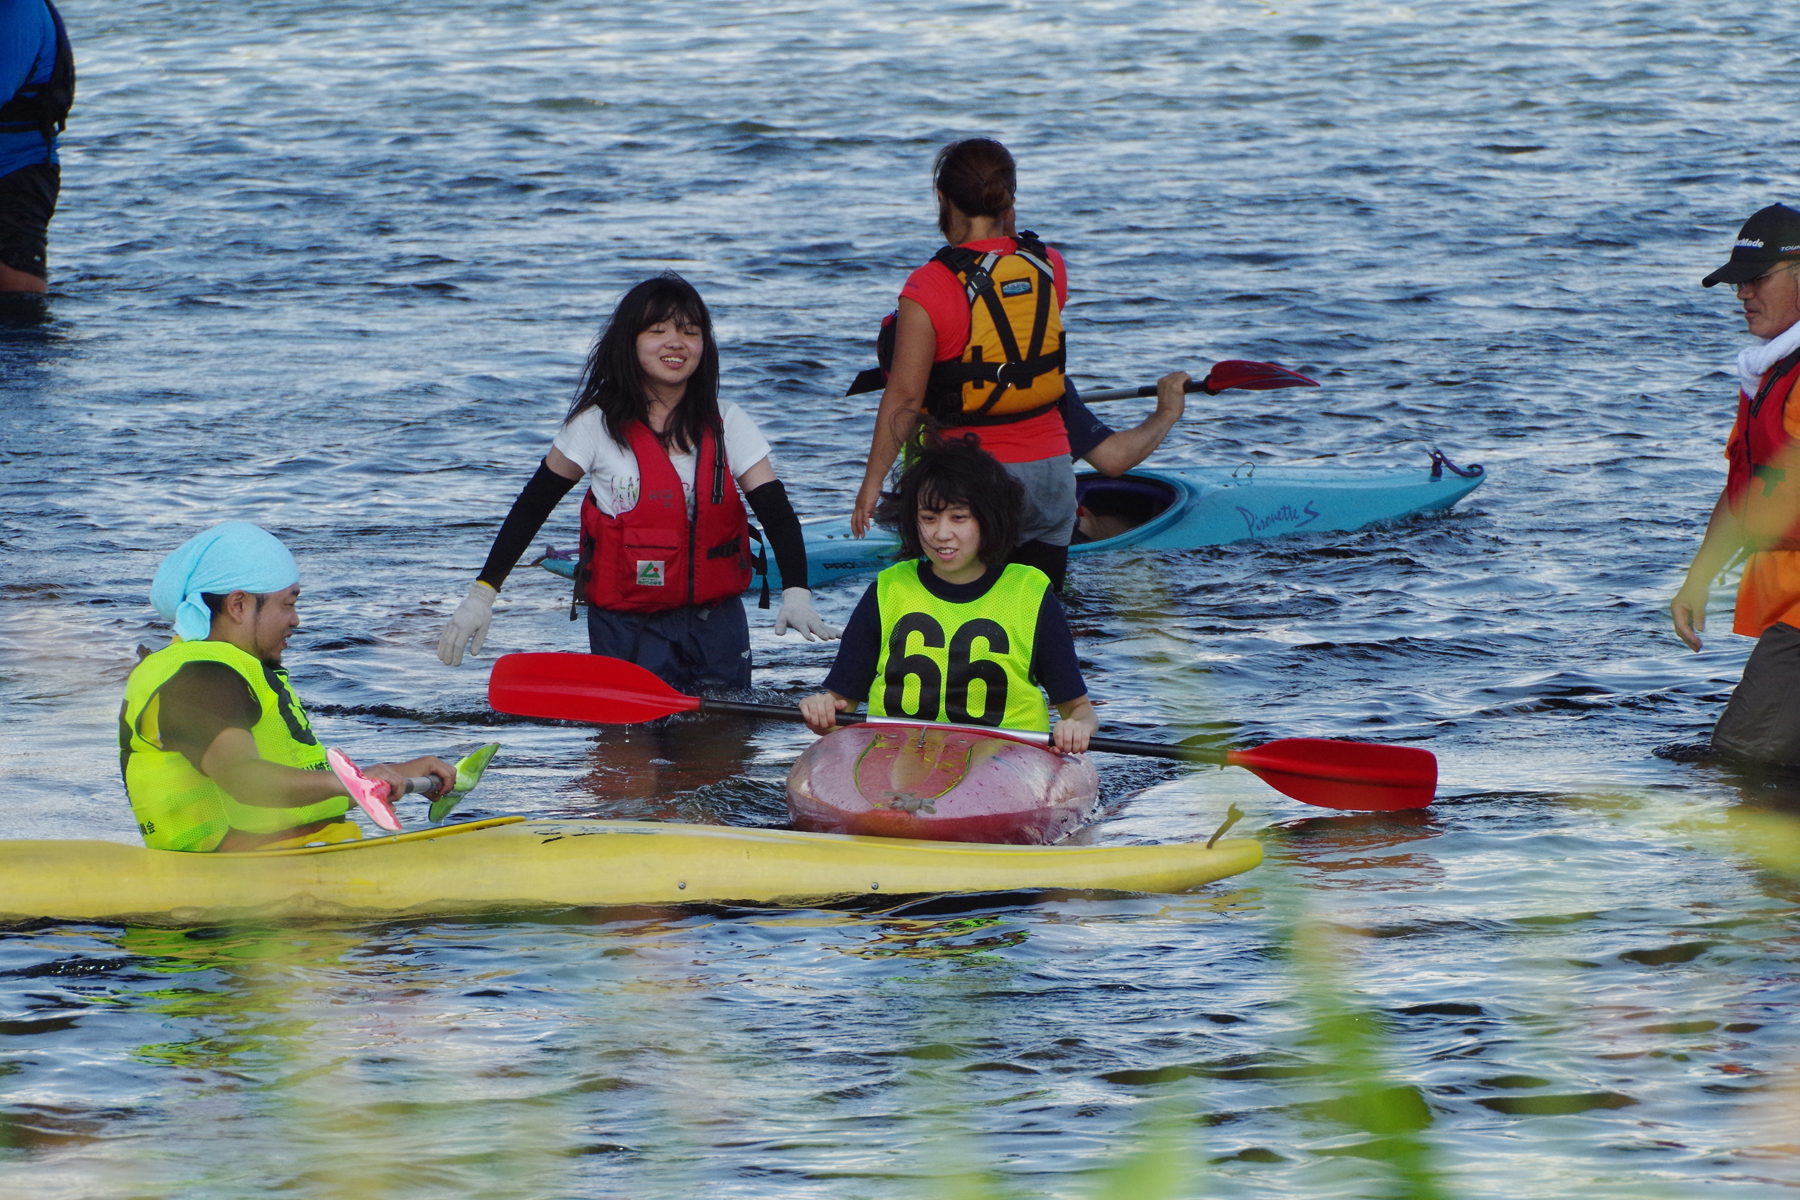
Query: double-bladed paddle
x=1238, y=373
x=610, y=691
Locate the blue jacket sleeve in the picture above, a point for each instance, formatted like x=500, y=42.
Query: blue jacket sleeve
x=1085, y=429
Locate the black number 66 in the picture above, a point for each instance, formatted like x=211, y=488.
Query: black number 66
x=963, y=670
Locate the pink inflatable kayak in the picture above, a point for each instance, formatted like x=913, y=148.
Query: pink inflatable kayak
x=949, y=783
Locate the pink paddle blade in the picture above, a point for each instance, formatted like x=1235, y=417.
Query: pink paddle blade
x=370, y=794
x=1351, y=775
x=1247, y=376
x=581, y=687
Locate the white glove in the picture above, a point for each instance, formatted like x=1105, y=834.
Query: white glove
x=468, y=624
x=798, y=614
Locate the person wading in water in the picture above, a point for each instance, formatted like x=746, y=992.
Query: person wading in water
x=978, y=345
x=1758, y=512
x=665, y=543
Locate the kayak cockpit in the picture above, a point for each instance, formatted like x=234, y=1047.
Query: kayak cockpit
x=1107, y=508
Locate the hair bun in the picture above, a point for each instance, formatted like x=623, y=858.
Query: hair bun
x=978, y=176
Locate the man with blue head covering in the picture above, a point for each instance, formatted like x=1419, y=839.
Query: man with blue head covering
x=216, y=750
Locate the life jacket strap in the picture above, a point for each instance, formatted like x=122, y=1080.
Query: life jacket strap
x=1012, y=374
x=1770, y=379
x=1021, y=366
x=45, y=106
x=761, y=563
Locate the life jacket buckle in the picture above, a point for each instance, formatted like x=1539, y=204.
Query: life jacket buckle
x=1013, y=375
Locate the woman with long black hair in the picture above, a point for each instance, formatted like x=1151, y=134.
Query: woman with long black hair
x=978, y=345
x=665, y=546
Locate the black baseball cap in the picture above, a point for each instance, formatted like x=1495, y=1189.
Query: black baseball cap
x=1770, y=236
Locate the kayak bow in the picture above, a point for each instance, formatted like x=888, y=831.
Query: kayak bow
x=940, y=782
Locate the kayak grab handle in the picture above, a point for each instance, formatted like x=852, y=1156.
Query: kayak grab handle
x=1440, y=460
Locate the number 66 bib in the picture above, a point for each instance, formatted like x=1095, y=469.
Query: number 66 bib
x=967, y=663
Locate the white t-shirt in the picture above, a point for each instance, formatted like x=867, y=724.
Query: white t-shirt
x=612, y=469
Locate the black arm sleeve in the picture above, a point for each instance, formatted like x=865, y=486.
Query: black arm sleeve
x=199, y=702
x=770, y=504
x=859, y=651
x=1053, y=661
x=529, y=512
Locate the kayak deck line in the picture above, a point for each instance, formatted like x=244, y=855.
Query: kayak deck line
x=417, y=835
x=518, y=864
x=1180, y=508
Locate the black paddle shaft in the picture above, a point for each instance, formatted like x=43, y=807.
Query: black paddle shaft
x=1200, y=754
x=873, y=380
x=1148, y=389
x=1105, y=744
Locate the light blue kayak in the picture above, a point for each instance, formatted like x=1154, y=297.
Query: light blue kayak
x=1183, y=507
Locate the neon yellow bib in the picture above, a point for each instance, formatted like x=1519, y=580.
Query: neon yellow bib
x=177, y=807
x=970, y=663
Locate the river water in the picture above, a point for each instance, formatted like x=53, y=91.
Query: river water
x=333, y=267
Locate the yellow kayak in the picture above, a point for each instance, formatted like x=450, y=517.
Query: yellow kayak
x=519, y=863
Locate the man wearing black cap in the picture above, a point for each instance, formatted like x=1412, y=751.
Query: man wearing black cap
x=1759, y=510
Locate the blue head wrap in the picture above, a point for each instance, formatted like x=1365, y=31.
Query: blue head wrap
x=235, y=556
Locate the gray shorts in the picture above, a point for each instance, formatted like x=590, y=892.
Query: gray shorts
x=1049, y=499
x=1762, y=721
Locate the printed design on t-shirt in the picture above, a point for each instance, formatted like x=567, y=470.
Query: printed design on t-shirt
x=627, y=490
x=624, y=493
x=649, y=573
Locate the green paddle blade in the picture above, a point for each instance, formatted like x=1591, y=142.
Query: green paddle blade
x=468, y=774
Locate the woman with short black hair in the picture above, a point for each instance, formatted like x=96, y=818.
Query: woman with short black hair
x=954, y=632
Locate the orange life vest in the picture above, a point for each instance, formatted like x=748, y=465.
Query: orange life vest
x=1012, y=365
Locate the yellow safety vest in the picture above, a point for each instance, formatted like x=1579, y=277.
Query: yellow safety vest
x=967, y=663
x=177, y=807
x=1011, y=367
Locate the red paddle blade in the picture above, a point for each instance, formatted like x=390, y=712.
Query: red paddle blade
x=1249, y=376
x=581, y=687
x=1354, y=775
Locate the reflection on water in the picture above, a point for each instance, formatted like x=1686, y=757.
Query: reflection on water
x=678, y=769
x=334, y=267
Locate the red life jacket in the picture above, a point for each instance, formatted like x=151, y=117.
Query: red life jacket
x=657, y=555
x=1761, y=436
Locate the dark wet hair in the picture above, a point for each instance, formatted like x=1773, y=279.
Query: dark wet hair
x=977, y=175
x=613, y=380
x=947, y=471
